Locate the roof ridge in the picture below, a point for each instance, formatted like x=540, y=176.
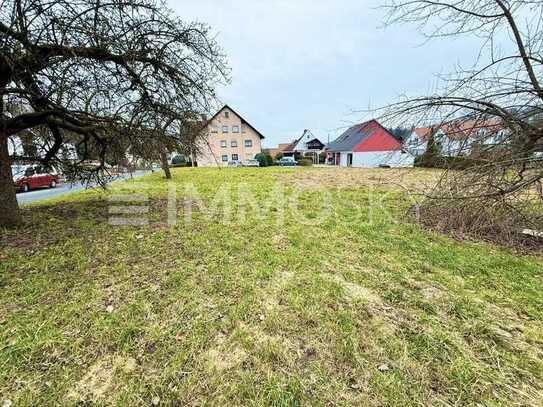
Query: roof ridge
x=226, y=105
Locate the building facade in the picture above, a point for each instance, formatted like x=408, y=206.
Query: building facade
x=228, y=137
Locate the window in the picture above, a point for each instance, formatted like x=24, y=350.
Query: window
x=233, y=143
x=248, y=143
x=235, y=129
x=234, y=157
x=224, y=158
x=226, y=114
x=223, y=144
x=225, y=129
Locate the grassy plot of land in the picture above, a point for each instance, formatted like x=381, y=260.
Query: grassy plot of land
x=321, y=294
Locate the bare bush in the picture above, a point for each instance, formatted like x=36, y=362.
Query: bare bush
x=487, y=118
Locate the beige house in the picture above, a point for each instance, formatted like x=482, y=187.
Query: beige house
x=229, y=137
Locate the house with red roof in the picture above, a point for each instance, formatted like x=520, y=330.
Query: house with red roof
x=456, y=138
x=368, y=145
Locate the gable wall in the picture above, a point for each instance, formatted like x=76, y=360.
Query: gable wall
x=380, y=140
x=212, y=153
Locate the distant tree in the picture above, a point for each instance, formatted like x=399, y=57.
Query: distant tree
x=432, y=155
x=269, y=160
x=400, y=133
x=100, y=76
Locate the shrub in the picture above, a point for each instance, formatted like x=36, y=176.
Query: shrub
x=262, y=161
x=305, y=162
x=453, y=163
x=322, y=157
x=269, y=160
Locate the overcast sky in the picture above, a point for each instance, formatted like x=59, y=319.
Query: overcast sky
x=300, y=64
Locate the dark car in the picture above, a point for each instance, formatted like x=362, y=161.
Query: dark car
x=287, y=162
x=34, y=176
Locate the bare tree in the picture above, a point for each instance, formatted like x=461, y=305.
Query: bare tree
x=494, y=107
x=85, y=69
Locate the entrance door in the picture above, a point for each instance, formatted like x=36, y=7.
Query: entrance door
x=349, y=159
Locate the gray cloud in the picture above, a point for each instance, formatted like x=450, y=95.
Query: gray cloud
x=308, y=64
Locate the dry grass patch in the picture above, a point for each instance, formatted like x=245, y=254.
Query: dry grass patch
x=102, y=379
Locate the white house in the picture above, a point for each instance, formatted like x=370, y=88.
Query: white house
x=368, y=145
x=456, y=138
x=306, y=146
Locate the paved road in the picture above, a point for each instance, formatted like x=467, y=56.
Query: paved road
x=64, y=188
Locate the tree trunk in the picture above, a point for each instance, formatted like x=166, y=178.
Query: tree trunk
x=165, y=165
x=9, y=209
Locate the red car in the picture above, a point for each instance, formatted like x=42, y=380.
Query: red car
x=34, y=176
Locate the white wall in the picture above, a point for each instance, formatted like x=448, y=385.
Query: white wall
x=343, y=159
x=15, y=146
x=415, y=145
x=375, y=158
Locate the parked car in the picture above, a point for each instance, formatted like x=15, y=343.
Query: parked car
x=30, y=177
x=252, y=163
x=234, y=163
x=287, y=162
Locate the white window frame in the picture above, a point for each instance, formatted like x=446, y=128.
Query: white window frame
x=235, y=129
x=224, y=158
x=235, y=159
x=233, y=143
x=248, y=143
x=225, y=129
x=224, y=143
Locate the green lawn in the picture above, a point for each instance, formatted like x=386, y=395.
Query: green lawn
x=291, y=305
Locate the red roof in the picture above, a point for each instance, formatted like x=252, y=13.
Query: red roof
x=366, y=137
x=380, y=139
